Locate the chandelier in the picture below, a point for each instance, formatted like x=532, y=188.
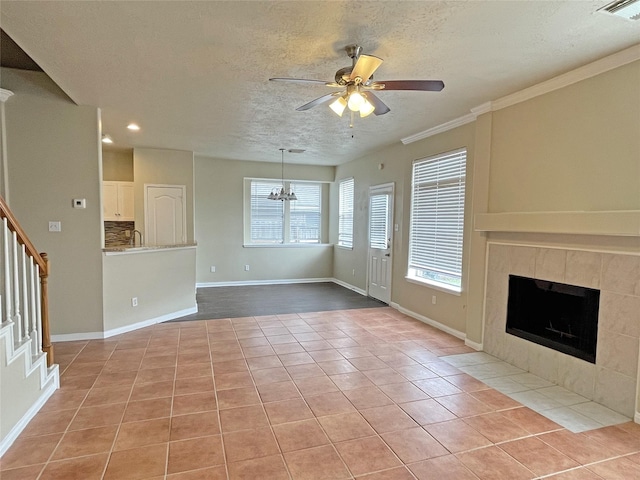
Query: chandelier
x=279, y=193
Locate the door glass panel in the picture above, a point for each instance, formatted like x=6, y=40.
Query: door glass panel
x=379, y=222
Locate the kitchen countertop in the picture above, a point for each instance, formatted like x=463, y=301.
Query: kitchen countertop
x=145, y=248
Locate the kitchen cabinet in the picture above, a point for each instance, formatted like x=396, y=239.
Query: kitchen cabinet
x=117, y=201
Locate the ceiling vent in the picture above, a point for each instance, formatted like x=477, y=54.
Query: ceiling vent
x=629, y=9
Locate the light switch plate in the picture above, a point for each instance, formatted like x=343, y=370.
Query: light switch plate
x=55, y=226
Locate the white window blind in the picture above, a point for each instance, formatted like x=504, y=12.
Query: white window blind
x=437, y=219
x=281, y=222
x=379, y=221
x=304, y=213
x=267, y=216
x=345, y=213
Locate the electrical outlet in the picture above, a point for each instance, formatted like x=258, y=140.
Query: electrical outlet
x=79, y=203
x=55, y=226
x=127, y=234
x=433, y=300
x=246, y=268
x=134, y=301
x=213, y=269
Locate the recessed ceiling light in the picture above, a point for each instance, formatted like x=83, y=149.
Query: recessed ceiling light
x=107, y=139
x=133, y=127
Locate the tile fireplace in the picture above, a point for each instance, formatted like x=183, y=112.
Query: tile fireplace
x=612, y=379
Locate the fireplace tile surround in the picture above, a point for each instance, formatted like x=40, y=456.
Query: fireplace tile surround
x=612, y=380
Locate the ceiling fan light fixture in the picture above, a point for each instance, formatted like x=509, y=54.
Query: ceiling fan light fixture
x=366, y=108
x=355, y=101
x=338, y=106
x=107, y=139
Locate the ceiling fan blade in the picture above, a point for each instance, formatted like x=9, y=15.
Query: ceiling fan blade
x=364, y=68
x=303, y=80
x=318, y=101
x=423, y=85
x=380, y=107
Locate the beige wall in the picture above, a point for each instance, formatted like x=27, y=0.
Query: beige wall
x=219, y=221
x=162, y=280
x=574, y=149
x=397, y=165
x=54, y=156
x=162, y=167
x=117, y=165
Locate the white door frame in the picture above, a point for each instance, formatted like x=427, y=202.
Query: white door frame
x=389, y=189
x=184, y=206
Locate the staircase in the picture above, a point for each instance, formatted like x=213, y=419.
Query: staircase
x=28, y=376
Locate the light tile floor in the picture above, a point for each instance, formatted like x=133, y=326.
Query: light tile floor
x=568, y=409
x=332, y=395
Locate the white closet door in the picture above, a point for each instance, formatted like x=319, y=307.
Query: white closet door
x=165, y=214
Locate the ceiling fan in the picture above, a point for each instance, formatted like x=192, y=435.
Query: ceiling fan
x=357, y=86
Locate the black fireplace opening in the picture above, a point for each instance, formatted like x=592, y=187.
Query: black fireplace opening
x=559, y=316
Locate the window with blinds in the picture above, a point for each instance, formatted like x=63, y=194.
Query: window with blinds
x=437, y=219
x=304, y=214
x=267, y=216
x=379, y=222
x=345, y=213
x=297, y=221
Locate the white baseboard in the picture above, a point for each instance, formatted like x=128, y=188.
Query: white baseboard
x=636, y=417
x=151, y=321
x=71, y=337
x=349, y=286
x=245, y=283
x=476, y=346
x=429, y=321
x=28, y=416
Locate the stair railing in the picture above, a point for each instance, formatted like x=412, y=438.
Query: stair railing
x=24, y=275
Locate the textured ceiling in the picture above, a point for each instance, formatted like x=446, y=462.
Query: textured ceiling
x=194, y=75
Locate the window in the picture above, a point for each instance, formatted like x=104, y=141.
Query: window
x=345, y=213
x=277, y=222
x=267, y=216
x=379, y=221
x=437, y=220
x=304, y=214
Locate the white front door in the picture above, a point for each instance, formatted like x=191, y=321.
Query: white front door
x=380, y=241
x=165, y=214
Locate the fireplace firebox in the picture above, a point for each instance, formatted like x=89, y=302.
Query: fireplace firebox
x=559, y=316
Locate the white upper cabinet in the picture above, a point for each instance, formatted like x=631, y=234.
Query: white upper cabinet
x=117, y=201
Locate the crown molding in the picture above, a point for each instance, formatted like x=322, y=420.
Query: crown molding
x=592, y=69
x=5, y=94
x=457, y=122
x=603, y=65
x=480, y=109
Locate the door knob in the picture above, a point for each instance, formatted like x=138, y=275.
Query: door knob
x=387, y=254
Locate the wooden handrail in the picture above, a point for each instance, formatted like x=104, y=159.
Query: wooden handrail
x=43, y=263
x=14, y=226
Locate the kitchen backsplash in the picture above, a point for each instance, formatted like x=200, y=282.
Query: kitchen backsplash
x=115, y=233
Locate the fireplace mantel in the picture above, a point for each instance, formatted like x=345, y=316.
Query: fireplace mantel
x=625, y=223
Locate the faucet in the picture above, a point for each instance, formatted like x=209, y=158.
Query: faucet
x=133, y=238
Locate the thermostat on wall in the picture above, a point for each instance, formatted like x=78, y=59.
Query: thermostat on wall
x=79, y=203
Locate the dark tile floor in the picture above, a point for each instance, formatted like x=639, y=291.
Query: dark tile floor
x=253, y=300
